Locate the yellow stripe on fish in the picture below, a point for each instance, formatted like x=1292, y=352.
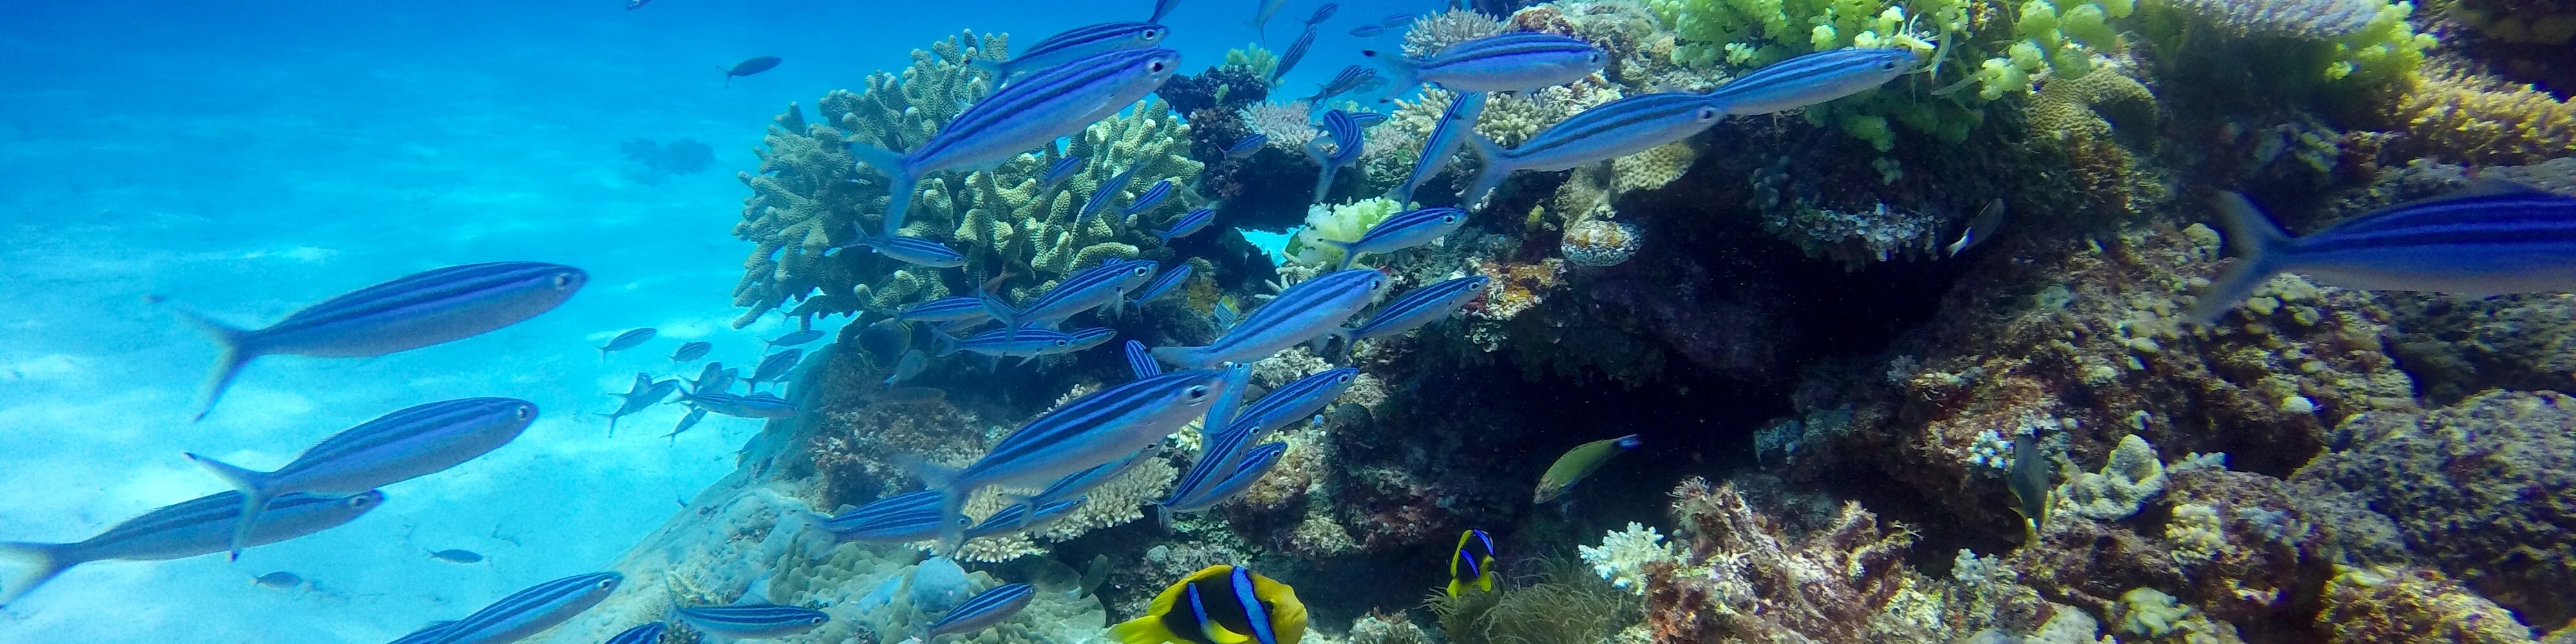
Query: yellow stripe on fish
x=1471, y=564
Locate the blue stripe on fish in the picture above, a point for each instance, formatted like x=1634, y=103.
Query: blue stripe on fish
x=2492, y=238
x=1368, y=31
x=692, y=350
x=199, y=526
x=1347, y=135
x=1082, y=434
x=1107, y=191
x=1291, y=403
x=1519, y=61
x=946, y=309
x=1090, y=288
x=1418, y=307
x=911, y=250
x=1456, y=122
x=530, y=611
x=647, y=633
x=1254, y=611
x=1812, y=78
x=1247, y=145
x=413, y=311
x=741, y=406
x=1249, y=469
x=1296, y=52
x=406, y=444
x=746, y=621
x=1075, y=44
x=1057, y=172
x=1614, y=129
x=1401, y=231
x=1075, y=484
x=983, y=610
x=1350, y=78
x=426, y=634
x=1091, y=337
x=1046, y=105
x=1005, y=342
x=1141, y=362
x=1153, y=197
x=1323, y=13
x=774, y=367
x=1306, y=311
x=1193, y=222
x=1168, y=284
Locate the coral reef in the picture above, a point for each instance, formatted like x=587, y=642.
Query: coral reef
x=1564, y=607
x=1431, y=33
x=2408, y=607
x=2454, y=114
x=1744, y=580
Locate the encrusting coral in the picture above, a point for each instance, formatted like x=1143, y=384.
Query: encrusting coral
x=2412, y=607
x=1744, y=579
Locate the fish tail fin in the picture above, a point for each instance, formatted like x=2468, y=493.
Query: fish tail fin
x=1402, y=75
x=899, y=193
x=942, y=344
x=251, y=483
x=1457, y=588
x=2254, y=237
x=44, y=561
x=236, y=353
x=1179, y=356
x=1490, y=171
x=952, y=501
x=989, y=66
x=1347, y=253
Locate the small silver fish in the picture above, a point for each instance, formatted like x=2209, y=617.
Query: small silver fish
x=795, y=339
x=456, y=556
x=281, y=580
x=692, y=350
x=910, y=365
x=625, y=341
x=1302, y=313
x=1811, y=79
x=983, y=610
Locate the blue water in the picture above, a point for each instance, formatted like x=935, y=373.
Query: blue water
x=246, y=159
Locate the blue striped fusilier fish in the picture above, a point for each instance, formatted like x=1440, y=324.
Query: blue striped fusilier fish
x=750, y=66
x=400, y=446
x=794, y=339
x=1347, y=135
x=1141, y=362
x=911, y=364
x=947, y=309
x=1168, y=284
x=1082, y=434
x=714, y=378
x=1323, y=13
x=531, y=611
x=1261, y=16
x=750, y=621
x=1046, y=105
x=1310, y=310
x=1059, y=171
x=1456, y=122
x=910, y=250
x=1350, y=78
x=1163, y=8
x=982, y=611
x=1296, y=51
x=2495, y=237
x=1075, y=484
x=1108, y=190
x=625, y=341
x=1368, y=31
x=1218, y=604
x=1614, y=129
x=1811, y=79
x=1193, y=222
x=1005, y=342
x=1394, y=20
x=426, y=634
x=692, y=350
x=1098, y=286
x=417, y=310
x=200, y=526
x=1076, y=44
x=899, y=504
x=774, y=367
x=647, y=633
x=906, y=526
x=741, y=406
x=1229, y=399
x=1520, y=61
x=1092, y=337
x=687, y=421
x=1256, y=462
x=646, y=393
x=1418, y=307
x=1291, y=403
x=1221, y=450
x=1017, y=518
x=1153, y=197
x=1247, y=145
x=1367, y=119
x=1401, y=231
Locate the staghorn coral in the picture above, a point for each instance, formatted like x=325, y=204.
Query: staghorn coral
x=2451, y=113
x=2383, y=606
x=2470, y=487
x=1432, y=33
x=1746, y=579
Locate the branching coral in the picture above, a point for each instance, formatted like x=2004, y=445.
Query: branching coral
x=1747, y=580
x=2455, y=114
x=1432, y=33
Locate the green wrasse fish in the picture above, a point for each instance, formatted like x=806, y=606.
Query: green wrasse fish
x=1578, y=463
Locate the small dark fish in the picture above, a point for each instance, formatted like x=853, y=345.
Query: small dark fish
x=1153, y=197
x=1813, y=78
x=281, y=580
x=1368, y=31
x=1323, y=13
x=1980, y=228
x=795, y=339
x=648, y=633
x=910, y=365
x=456, y=556
x=625, y=341
x=749, y=621
x=1141, y=362
x=686, y=422
x=775, y=367
x=645, y=394
x=1417, y=307
x=409, y=443
x=413, y=311
x=632, y=5
x=1350, y=78
x=1056, y=174
x=1367, y=119
x=1471, y=564
x=1296, y=51
x=1247, y=145
x=692, y=350
x=749, y=66
x=1394, y=20
x=2029, y=481
x=983, y=610
x=710, y=374
x=1348, y=137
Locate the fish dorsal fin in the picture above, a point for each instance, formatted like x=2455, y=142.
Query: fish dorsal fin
x=755, y=594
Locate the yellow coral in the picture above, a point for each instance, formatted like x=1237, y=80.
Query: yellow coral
x=2471, y=117
x=2071, y=109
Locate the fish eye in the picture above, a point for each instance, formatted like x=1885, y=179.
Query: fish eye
x=1063, y=342
x=1707, y=113
x=361, y=501
x=1198, y=392
x=606, y=584
x=1151, y=33
x=1156, y=67
x=563, y=280
x=1595, y=57
x=523, y=412
x=1448, y=219
x=1344, y=378
x=1887, y=65
x=1140, y=271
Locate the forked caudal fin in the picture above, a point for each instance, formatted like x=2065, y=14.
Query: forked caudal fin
x=254, y=499
x=1490, y=171
x=235, y=354
x=1402, y=75
x=952, y=501
x=2255, y=239
x=44, y=561
x=1183, y=357
x=899, y=192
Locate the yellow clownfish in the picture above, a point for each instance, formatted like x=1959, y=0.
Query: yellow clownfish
x=1219, y=605
x=1472, y=563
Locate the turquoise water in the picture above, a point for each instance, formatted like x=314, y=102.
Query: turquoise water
x=247, y=159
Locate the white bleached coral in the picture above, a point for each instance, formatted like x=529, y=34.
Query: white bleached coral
x=1623, y=556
